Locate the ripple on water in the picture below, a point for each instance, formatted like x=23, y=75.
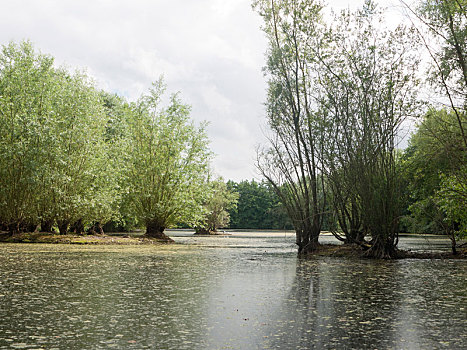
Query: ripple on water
x=247, y=292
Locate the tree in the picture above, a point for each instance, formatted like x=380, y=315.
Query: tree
x=166, y=164
x=217, y=206
x=435, y=166
x=452, y=198
x=442, y=25
x=72, y=155
x=367, y=88
x=76, y=182
x=337, y=97
x=119, y=114
x=446, y=45
x=291, y=163
x=26, y=92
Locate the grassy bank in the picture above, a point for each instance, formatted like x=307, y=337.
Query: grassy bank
x=44, y=237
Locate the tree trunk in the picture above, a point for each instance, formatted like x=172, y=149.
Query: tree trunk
x=77, y=227
x=381, y=249
x=28, y=227
x=155, y=230
x=308, y=243
x=355, y=236
x=46, y=225
x=14, y=228
x=203, y=231
x=453, y=244
x=96, y=229
x=63, y=226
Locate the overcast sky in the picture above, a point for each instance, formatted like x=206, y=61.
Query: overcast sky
x=212, y=51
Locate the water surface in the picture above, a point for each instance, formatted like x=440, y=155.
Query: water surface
x=245, y=291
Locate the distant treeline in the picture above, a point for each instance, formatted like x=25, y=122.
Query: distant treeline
x=258, y=207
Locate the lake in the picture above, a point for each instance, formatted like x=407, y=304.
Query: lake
x=244, y=291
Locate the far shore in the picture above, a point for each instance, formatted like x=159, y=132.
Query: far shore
x=138, y=238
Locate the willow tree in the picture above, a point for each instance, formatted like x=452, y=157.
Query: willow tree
x=447, y=22
x=26, y=88
x=368, y=88
x=445, y=42
x=291, y=163
x=77, y=181
x=219, y=202
x=438, y=204
x=166, y=164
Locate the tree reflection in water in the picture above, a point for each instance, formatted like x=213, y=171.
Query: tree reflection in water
x=245, y=293
x=338, y=303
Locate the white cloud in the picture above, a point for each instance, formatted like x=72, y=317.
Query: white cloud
x=215, y=101
x=210, y=50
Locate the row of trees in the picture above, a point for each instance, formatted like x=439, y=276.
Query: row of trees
x=339, y=95
x=80, y=159
x=74, y=157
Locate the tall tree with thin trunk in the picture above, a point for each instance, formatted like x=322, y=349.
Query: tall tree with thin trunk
x=368, y=88
x=442, y=26
x=291, y=163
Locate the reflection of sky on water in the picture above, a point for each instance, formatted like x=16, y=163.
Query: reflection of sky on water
x=246, y=292
x=368, y=305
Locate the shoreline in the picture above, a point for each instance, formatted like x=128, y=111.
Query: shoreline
x=355, y=251
x=325, y=249
x=50, y=238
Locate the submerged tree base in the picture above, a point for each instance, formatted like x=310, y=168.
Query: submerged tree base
x=160, y=236
x=357, y=251
x=309, y=247
x=156, y=231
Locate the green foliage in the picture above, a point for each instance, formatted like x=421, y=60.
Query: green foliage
x=26, y=90
x=337, y=96
x=435, y=170
x=439, y=152
x=258, y=207
x=75, y=173
x=220, y=202
x=447, y=48
x=119, y=114
x=53, y=154
x=452, y=198
x=368, y=88
x=447, y=22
